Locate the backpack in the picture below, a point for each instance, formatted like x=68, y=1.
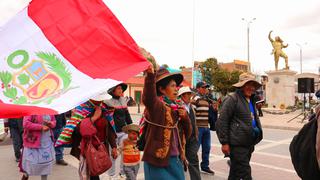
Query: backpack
x=303, y=152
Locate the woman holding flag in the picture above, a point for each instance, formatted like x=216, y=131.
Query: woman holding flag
x=168, y=126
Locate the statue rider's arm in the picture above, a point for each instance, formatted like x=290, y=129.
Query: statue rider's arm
x=285, y=46
x=271, y=40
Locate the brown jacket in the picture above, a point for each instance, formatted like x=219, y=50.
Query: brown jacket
x=159, y=139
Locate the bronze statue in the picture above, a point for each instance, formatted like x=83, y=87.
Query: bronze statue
x=277, y=45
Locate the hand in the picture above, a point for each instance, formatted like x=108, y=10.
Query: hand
x=150, y=69
x=185, y=165
x=97, y=114
x=45, y=128
x=182, y=112
x=47, y=122
x=114, y=153
x=6, y=130
x=225, y=149
x=215, y=106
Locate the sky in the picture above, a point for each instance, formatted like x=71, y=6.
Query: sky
x=176, y=32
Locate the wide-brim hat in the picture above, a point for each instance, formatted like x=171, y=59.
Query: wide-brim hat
x=124, y=87
x=132, y=127
x=245, y=78
x=101, y=96
x=184, y=89
x=164, y=75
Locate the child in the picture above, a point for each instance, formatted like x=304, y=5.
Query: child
x=130, y=153
x=38, y=153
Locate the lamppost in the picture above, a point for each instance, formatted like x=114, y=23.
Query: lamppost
x=300, y=46
x=248, y=38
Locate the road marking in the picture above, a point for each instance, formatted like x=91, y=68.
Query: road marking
x=273, y=155
x=266, y=146
x=273, y=167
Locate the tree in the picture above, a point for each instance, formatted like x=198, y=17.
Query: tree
x=182, y=67
x=221, y=79
x=207, y=68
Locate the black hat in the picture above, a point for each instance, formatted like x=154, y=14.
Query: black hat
x=164, y=75
x=202, y=84
x=123, y=86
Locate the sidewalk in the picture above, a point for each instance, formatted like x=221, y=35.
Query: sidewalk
x=275, y=121
x=272, y=121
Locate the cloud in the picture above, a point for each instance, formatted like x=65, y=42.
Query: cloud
x=309, y=18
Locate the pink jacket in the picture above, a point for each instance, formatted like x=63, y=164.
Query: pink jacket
x=32, y=126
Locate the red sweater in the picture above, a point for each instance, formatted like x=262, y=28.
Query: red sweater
x=101, y=128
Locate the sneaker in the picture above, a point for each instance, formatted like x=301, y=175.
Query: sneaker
x=207, y=171
x=61, y=162
x=24, y=177
x=122, y=176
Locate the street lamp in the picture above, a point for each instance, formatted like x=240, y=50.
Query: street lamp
x=300, y=46
x=248, y=38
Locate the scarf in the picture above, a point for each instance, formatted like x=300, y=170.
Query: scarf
x=77, y=115
x=174, y=105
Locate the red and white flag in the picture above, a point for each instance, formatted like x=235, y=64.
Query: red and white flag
x=56, y=54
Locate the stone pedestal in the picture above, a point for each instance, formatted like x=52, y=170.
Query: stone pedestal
x=280, y=90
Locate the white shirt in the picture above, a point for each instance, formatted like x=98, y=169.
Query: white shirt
x=187, y=107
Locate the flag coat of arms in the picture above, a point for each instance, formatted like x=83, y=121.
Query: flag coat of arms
x=56, y=54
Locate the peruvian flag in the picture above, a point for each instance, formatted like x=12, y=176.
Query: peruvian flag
x=56, y=54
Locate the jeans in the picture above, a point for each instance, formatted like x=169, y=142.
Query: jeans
x=192, y=148
x=112, y=171
x=131, y=171
x=240, y=158
x=16, y=135
x=58, y=150
x=205, y=142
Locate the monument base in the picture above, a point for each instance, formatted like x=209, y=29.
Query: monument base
x=280, y=90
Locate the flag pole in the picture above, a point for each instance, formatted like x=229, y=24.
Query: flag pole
x=193, y=32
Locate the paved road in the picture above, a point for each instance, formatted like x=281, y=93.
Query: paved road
x=271, y=160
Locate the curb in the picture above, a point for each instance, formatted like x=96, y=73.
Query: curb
x=281, y=127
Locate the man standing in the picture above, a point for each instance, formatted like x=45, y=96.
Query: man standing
x=202, y=103
x=60, y=123
x=16, y=130
x=239, y=128
x=192, y=147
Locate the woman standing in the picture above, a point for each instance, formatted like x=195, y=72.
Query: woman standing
x=38, y=153
x=168, y=126
x=98, y=125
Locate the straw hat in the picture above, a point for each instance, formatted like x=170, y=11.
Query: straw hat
x=184, y=89
x=132, y=127
x=245, y=78
x=123, y=86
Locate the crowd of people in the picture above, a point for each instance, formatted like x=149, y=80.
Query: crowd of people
x=177, y=121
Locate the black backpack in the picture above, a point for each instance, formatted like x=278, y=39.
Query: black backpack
x=303, y=152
